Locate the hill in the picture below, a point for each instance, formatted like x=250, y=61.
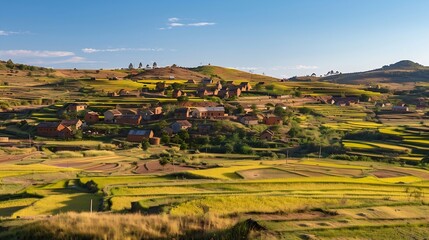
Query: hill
x=197, y=73
x=223, y=73
x=167, y=72
x=401, y=72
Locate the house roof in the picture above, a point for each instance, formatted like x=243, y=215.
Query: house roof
x=139, y=132
x=114, y=112
x=92, y=113
x=68, y=123
x=249, y=118
x=268, y=131
x=185, y=123
x=215, y=109
x=181, y=110
x=49, y=124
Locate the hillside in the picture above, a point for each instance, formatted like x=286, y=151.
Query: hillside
x=217, y=72
x=400, y=72
x=167, y=72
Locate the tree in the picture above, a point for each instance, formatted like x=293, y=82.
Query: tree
x=140, y=65
x=145, y=145
x=163, y=161
x=10, y=64
x=130, y=66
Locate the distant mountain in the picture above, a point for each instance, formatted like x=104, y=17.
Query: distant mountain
x=401, y=72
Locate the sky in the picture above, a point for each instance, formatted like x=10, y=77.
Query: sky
x=281, y=38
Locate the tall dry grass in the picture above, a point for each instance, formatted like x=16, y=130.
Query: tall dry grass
x=123, y=226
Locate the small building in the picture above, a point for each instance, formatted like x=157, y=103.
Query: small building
x=49, y=129
x=74, y=124
x=207, y=81
x=271, y=119
x=112, y=94
x=110, y=116
x=249, y=120
x=267, y=135
x=179, y=125
x=161, y=86
x=245, y=86
x=76, y=107
x=191, y=81
x=178, y=93
x=146, y=114
x=182, y=113
x=400, y=108
x=129, y=120
x=199, y=112
x=138, y=135
x=123, y=92
x=157, y=110
x=91, y=117
x=215, y=112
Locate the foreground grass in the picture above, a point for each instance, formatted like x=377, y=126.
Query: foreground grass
x=127, y=226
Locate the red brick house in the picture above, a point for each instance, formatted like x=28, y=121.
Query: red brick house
x=178, y=93
x=179, y=125
x=267, y=135
x=92, y=117
x=249, y=120
x=76, y=107
x=245, y=86
x=49, y=129
x=271, y=119
x=74, y=124
x=129, y=120
x=182, y=113
x=138, y=135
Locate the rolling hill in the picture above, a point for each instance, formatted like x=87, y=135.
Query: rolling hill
x=223, y=73
x=401, y=72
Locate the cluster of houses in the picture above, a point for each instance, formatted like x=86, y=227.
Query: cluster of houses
x=63, y=129
x=228, y=90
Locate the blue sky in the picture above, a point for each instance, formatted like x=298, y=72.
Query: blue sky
x=279, y=38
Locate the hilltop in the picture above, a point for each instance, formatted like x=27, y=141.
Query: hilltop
x=401, y=72
x=222, y=73
x=197, y=73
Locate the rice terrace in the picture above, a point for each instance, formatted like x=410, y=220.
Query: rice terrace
x=176, y=121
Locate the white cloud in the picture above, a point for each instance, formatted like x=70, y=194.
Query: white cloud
x=7, y=33
x=173, y=19
x=306, y=67
x=35, y=53
x=201, y=24
x=94, y=50
x=177, y=22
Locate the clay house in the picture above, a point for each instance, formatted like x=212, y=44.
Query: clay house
x=157, y=110
x=123, y=92
x=267, y=135
x=112, y=94
x=179, y=125
x=67, y=132
x=110, y=116
x=271, y=119
x=207, y=81
x=191, y=81
x=137, y=135
x=228, y=92
x=249, y=120
x=215, y=112
x=380, y=104
x=91, y=117
x=146, y=114
x=345, y=101
x=178, y=93
x=133, y=120
x=400, y=108
x=76, y=107
x=74, y=124
x=218, y=85
x=182, y=113
x=245, y=86
x=202, y=92
x=161, y=86
x=49, y=129
x=199, y=112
